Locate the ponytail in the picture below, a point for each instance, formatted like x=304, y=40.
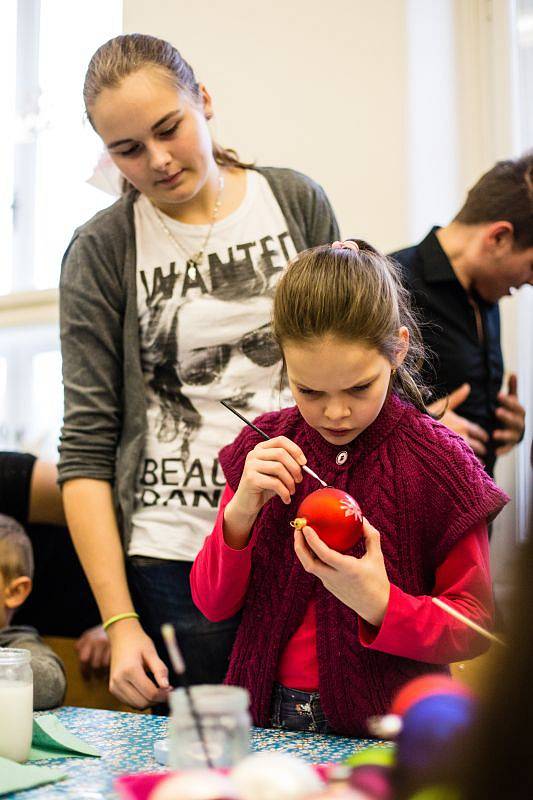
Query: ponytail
x=355, y=295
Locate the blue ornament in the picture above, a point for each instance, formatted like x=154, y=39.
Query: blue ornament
x=432, y=729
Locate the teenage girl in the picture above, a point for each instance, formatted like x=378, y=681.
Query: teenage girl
x=326, y=638
x=166, y=300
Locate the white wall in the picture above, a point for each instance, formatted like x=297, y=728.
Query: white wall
x=435, y=184
x=316, y=86
x=395, y=106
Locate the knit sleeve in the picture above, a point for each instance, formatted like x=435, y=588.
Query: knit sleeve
x=322, y=227
x=233, y=456
x=94, y=292
x=91, y=313
x=305, y=206
x=456, y=494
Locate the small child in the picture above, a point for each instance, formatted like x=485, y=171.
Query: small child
x=16, y=571
x=327, y=638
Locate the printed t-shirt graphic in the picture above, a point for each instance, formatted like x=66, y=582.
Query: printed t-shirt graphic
x=205, y=337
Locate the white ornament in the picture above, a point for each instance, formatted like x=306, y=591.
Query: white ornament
x=198, y=784
x=272, y=775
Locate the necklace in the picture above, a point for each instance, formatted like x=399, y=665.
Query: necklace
x=194, y=260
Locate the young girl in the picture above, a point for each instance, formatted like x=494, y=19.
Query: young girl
x=326, y=638
x=166, y=301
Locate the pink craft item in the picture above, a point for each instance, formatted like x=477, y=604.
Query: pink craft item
x=138, y=787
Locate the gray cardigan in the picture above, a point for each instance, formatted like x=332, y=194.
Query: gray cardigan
x=105, y=406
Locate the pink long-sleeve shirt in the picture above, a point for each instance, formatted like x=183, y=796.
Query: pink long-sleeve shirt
x=413, y=627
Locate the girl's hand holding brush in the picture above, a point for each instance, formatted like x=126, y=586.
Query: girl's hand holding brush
x=273, y=467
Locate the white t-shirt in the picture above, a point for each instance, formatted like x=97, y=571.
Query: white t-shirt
x=205, y=337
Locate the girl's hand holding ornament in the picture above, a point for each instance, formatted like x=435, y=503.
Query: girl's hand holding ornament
x=272, y=468
x=360, y=583
x=334, y=515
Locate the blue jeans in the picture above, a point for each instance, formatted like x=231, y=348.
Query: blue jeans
x=295, y=710
x=161, y=593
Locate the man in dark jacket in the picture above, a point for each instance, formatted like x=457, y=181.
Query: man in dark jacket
x=456, y=277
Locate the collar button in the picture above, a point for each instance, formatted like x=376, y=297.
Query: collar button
x=342, y=457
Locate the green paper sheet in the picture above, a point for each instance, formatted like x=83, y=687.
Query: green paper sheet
x=379, y=756
x=50, y=739
x=17, y=777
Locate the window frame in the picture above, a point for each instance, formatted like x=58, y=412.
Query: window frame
x=32, y=314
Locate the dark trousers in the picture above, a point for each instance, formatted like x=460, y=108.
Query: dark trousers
x=295, y=710
x=161, y=593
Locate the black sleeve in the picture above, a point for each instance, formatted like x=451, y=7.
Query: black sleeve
x=61, y=603
x=15, y=482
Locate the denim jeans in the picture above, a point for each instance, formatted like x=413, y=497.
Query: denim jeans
x=161, y=593
x=297, y=711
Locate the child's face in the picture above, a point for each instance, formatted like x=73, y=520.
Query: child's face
x=339, y=386
x=157, y=136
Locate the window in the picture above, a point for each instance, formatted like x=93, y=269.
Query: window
x=3, y=400
x=524, y=48
x=49, y=150
x=47, y=153
x=7, y=103
x=525, y=71
x=31, y=393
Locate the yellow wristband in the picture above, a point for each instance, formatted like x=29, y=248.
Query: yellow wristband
x=118, y=617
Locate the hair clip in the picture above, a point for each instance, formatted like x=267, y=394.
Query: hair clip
x=348, y=244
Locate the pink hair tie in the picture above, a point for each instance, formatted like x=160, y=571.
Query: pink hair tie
x=346, y=245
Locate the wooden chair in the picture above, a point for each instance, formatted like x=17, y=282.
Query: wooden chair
x=477, y=672
x=91, y=693
x=94, y=693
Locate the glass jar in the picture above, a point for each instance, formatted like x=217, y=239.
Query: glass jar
x=225, y=724
x=16, y=703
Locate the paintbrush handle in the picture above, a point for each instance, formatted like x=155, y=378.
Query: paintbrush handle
x=267, y=437
x=197, y=721
x=247, y=421
x=176, y=658
x=468, y=622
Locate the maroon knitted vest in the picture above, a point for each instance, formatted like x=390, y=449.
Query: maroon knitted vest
x=420, y=485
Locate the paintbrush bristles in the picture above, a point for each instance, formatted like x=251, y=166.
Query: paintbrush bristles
x=169, y=635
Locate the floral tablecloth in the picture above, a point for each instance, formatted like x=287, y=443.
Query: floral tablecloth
x=126, y=742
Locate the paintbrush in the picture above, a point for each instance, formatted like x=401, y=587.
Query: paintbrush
x=466, y=621
x=176, y=658
x=267, y=437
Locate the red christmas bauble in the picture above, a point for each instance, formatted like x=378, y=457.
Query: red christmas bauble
x=423, y=686
x=334, y=515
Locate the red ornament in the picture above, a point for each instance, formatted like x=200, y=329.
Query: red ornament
x=423, y=686
x=334, y=515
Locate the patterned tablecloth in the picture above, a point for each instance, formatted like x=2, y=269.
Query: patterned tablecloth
x=126, y=742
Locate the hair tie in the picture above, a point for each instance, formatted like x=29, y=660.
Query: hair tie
x=348, y=244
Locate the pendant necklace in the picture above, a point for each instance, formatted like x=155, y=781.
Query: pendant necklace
x=194, y=260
